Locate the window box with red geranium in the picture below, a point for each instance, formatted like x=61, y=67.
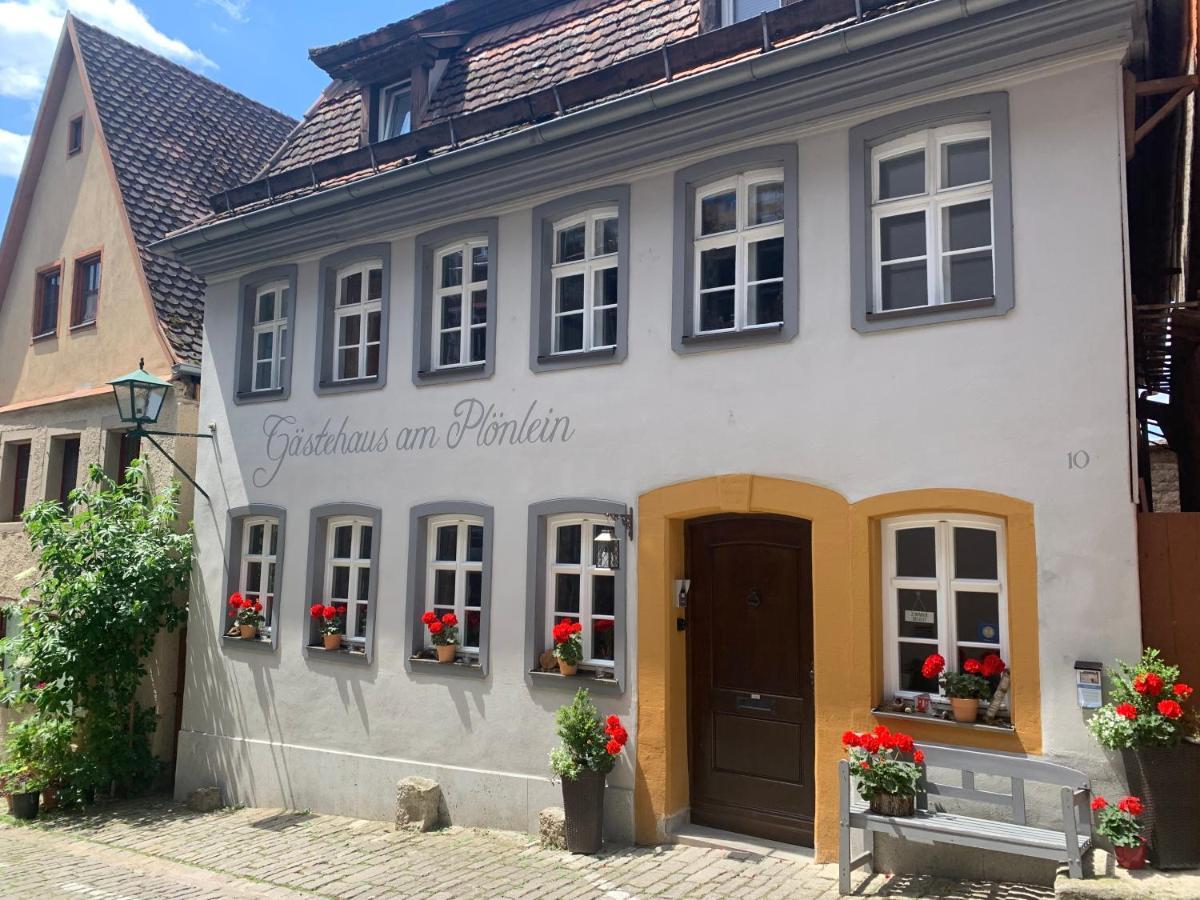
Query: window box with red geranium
x=256, y=544
x=965, y=690
x=247, y=615
x=344, y=573
x=443, y=632
x=330, y=624
x=886, y=767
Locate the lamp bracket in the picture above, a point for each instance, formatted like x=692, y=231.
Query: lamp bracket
x=142, y=432
x=626, y=519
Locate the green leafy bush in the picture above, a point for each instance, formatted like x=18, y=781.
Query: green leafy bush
x=588, y=742
x=1146, y=706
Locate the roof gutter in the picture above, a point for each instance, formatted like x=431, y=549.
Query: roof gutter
x=837, y=44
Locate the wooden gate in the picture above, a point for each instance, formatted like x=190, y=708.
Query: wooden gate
x=1169, y=564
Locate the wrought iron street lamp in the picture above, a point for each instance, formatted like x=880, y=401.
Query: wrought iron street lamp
x=140, y=397
x=606, y=550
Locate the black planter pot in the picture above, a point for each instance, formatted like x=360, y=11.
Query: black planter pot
x=25, y=806
x=583, y=805
x=1167, y=779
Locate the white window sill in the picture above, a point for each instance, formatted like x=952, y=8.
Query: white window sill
x=463, y=666
x=750, y=331
x=259, y=642
x=346, y=653
x=1004, y=726
x=884, y=315
x=604, y=683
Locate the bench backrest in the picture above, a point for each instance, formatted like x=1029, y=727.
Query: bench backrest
x=1018, y=769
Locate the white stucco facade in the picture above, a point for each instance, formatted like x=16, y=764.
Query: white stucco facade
x=998, y=404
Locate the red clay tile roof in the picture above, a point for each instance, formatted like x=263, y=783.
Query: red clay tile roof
x=175, y=138
x=330, y=128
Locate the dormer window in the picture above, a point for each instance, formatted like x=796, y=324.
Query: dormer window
x=740, y=10
x=395, y=110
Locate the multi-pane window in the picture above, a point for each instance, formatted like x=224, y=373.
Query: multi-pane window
x=740, y=10
x=259, y=557
x=271, y=308
x=87, y=290
x=45, y=313
x=395, y=110
x=454, y=580
x=932, y=218
x=68, y=468
x=584, y=276
x=738, y=248
x=358, y=317
x=348, y=574
x=578, y=590
x=18, y=457
x=944, y=592
x=460, y=304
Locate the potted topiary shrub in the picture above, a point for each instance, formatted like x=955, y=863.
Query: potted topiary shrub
x=568, y=646
x=247, y=614
x=1121, y=826
x=589, y=750
x=329, y=622
x=886, y=779
x=1147, y=719
x=443, y=633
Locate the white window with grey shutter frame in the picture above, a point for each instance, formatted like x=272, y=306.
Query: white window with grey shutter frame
x=578, y=589
x=348, y=574
x=461, y=304
x=584, y=275
x=358, y=318
x=271, y=310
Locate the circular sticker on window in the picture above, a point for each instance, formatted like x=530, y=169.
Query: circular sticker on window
x=989, y=632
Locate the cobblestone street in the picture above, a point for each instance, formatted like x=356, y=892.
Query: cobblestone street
x=157, y=849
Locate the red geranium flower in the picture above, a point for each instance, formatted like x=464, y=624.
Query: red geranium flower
x=613, y=748
x=1148, y=683
x=1170, y=708
x=235, y=600
x=993, y=665
x=918, y=757
x=429, y=617
x=849, y=739
x=1126, y=711
x=258, y=607
x=972, y=667
x=449, y=619
x=1132, y=805
x=904, y=743
x=316, y=610
x=612, y=722
x=1098, y=803
x=864, y=764
x=933, y=666
x=870, y=743
x=329, y=612
x=1182, y=691
x=435, y=627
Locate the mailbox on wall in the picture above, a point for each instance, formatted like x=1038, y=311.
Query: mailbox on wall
x=1089, y=684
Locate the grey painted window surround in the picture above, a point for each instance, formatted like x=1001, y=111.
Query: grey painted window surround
x=687, y=181
x=992, y=107
x=317, y=540
x=235, y=517
x=541, y=359
x=244, y=376
x=427, y=246
x=326, y=320
x=535, y=605
x=418, y=569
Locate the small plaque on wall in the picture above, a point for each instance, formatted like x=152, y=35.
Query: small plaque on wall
x=920, y=617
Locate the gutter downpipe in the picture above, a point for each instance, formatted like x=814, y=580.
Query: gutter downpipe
x=841, y=43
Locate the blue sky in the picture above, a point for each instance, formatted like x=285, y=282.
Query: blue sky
x=257, y=47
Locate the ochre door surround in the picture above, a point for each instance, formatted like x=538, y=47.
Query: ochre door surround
x=846, y=629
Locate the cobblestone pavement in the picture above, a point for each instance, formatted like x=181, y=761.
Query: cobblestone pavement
x=158, y=849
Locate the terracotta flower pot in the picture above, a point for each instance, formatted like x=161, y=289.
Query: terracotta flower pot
x=583, y=812
x=966, y=709
x=332, y=641
x=566, y=668
x=49, y=799
x=1131, y=857
x=1167, y=779
x=248, y=632
x=445, y=652
x=893, y=804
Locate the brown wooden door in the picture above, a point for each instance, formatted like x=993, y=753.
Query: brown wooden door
x=749, y=627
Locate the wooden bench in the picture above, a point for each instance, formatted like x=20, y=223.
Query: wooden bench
x=933, y=827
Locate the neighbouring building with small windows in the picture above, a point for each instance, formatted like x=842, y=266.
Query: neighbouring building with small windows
x=777, y=346
x=126, y=147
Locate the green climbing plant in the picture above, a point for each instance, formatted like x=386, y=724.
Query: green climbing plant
x=110, y=568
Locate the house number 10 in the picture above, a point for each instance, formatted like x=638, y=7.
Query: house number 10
x=1078, y=459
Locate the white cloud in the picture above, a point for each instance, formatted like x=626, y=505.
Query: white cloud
x=29, y=31
x=235, y=9
x=12, y=152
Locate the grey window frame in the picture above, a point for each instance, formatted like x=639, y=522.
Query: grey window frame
x=783, y=156
x=244, y=367
x=327, y=270
x=235, y=518
x=319, y=518
x=425, y=250
x=535, y=595
x=992, y=107
x=541, y=355
x=418, y=549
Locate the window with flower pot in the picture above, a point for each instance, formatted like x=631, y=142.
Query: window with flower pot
x=944, y=591
x=344, y=574
x=578, y=578
x=353, y=313
x=450, y=547
x=256, y=547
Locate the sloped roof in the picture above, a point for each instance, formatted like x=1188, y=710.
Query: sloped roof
x=175, y=138
x=542, y=60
